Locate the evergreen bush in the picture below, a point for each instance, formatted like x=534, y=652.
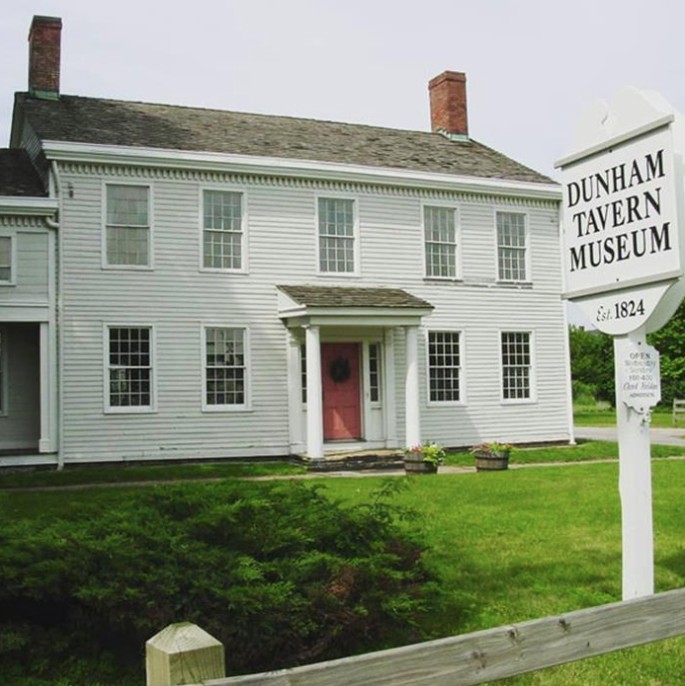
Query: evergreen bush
x=278, y=572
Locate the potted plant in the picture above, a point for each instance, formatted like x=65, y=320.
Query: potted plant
x=424, y=458
x=491, y=456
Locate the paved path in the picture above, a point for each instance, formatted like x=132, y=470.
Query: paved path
x=673, y=436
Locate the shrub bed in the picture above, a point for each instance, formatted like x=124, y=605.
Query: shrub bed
x=276, y=571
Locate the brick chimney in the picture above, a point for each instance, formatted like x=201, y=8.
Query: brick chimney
x=448, y=103
x=45, y=38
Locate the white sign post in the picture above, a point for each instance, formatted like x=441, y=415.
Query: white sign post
x=622, y=255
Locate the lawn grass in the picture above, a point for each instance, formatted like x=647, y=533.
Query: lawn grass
x=662, y=418
x=74, y=476
x=508, y=547
x=584, y=451
x=522, y=544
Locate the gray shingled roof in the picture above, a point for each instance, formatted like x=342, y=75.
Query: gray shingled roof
x=335, y=296
x=113, y=122
x=18, y=176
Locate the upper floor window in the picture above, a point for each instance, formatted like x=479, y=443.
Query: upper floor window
x=225, y=367
x=336, y=235
x=130, y=368
x=6, y=261
x=444, y=366
x=440, y=237
x=127, y=226
x=511, y=246
x=222, y=230
x=516, y=365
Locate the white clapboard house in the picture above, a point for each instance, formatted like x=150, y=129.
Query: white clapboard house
x=184, y=283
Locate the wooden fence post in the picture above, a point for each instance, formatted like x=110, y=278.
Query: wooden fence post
x=183, y=654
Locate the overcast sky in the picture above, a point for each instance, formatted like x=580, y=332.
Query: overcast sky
x=532, y=66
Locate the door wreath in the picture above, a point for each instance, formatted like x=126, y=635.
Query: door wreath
x=339, y=369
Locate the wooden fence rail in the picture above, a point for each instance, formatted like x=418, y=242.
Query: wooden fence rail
x=484, y=656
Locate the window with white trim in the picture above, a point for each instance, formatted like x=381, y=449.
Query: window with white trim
x=225, y=367
x=222, y=230
x=516, y=365
x=511, y=246
x=444, y=366
x=127, y=228
x=336, y=235
x=130, y=368
x=374, y=372
x=440, y=240
x=6, y=271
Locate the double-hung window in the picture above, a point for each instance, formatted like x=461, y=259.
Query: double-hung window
x=336, y=235
x=511, y=246
x=6, y=261
x=127, y=226
x=222, y=230
x=440, y=241
x=130, y=368
x=444, y=366
x=517, y=370
x=225, y=368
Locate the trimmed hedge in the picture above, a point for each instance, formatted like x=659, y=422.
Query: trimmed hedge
x=276, y=571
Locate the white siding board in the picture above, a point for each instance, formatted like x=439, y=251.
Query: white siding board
x=177, y=297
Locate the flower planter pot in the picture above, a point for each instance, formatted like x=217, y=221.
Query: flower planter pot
x=415, y=464
x=491, y=461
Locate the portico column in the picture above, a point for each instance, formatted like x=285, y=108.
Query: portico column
x=314, y=400
x=411, y=387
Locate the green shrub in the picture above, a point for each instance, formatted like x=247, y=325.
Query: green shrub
x=277, y=572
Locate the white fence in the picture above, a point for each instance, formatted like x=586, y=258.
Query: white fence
x=474, y=658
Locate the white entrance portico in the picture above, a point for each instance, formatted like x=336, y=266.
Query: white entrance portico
x=384, y=322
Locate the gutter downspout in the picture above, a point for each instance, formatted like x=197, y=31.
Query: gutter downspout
x=56, y=397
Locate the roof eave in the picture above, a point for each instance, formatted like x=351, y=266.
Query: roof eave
x=64, y=151
x=28, y=206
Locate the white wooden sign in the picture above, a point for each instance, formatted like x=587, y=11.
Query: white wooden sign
x=623, y=265
x=639, y=376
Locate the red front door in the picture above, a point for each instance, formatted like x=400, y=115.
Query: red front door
x=341, y=397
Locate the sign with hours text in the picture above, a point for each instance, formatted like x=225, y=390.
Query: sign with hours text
x=639, y=376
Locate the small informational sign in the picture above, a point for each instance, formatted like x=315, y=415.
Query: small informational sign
x=639, y=376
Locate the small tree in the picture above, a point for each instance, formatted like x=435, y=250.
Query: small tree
x=592, y=364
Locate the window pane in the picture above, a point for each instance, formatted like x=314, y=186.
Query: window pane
x=440, y=238
x=511, y=246
x=444, y=366
x=5, y=258
x=225, y=366
x=222, y=224
x=128, y=225
x=336, y=235
x=516, y=365
x=374, y=372
x=130, y=367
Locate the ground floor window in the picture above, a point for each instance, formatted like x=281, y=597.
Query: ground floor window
x=444, y=366
x=130, y=368
x=225, y=367
x=516, y=365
